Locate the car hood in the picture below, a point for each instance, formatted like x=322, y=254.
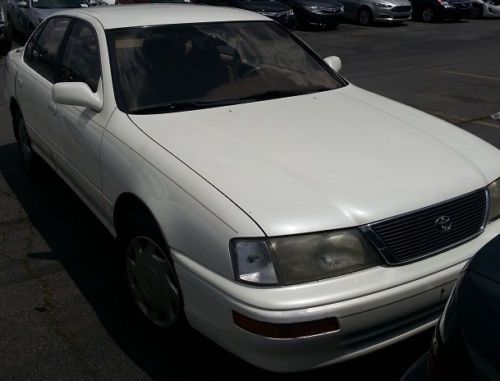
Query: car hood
x=262, y=6
x=328, y=160
x=319, y=3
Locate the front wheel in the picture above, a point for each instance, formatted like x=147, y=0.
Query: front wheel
x=427, y=14
x=365, y=16
x=477, y=11
x=150, y=274
x=5, y=45
x=31, y=160
x=332, y=25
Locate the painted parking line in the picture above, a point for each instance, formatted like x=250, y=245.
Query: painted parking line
x=455, y=119
x=489, y=78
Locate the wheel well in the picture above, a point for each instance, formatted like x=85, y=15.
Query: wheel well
x=14, y=111
x=126, y=205
x=364, y=7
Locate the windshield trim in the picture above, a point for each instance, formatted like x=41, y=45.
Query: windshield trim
x=119, y=97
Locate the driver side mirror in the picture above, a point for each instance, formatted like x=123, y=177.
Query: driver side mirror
x=22, y=4
x=77, y=94
x=334, y=62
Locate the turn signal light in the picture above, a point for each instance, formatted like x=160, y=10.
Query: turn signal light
x=286, y=331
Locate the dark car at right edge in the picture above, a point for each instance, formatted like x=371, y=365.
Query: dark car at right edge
x=434, y=10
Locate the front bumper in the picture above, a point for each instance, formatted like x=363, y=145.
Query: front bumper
x=455, y=12
x=389, y=16
x=374, y=308
x=322, y=19
x=288, y=22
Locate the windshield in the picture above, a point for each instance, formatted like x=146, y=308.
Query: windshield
x=59, y=4
x=178, y=67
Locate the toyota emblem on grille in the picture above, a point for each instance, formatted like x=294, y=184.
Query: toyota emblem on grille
x=443, y=224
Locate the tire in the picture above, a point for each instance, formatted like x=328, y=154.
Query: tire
x=31, y=29
x=427, y=14
x=153, y=289
x=477, y=11
x=332, y=25
x=301, y=22
x=365, y=16
x=31, y=161
x=5, y=45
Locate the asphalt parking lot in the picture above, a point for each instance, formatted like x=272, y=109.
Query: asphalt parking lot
x=62, y=315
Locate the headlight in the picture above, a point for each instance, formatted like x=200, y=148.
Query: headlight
x=313, y=8
x=445, y=4
x=289, y=12
x=2, y=18
x=383, y=5
x=302, y=258
x=494, y=191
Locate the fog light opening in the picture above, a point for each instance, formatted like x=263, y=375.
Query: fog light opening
x=286, y=331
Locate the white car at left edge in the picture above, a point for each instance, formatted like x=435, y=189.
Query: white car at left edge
x=290, y=216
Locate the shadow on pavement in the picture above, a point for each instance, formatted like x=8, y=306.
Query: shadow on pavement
x=86, y=251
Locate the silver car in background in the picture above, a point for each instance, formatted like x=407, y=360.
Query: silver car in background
x=367, y=12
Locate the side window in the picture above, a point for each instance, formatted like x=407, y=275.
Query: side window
x=81, y=62
x=42, y=52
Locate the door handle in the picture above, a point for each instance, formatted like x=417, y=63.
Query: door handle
x=52, y=108
x=19, y=81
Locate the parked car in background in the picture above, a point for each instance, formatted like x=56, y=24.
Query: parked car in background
x=292, y=217
x=273, y=9
x=485, y=8
x=466, y=343
x=316, y=12
x=5, y=37
x=369, y=11
x=23, y=16
x=154, y=1
x=433, y=10
x=276, y=10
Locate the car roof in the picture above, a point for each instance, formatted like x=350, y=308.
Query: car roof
x=132, y=15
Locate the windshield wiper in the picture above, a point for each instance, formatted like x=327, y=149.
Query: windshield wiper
x=272, y=94
x=199, y=104
x=182, y=106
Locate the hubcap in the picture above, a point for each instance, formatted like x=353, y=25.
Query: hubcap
x=151, y=278
x=364, y=17
x=427, y=14
x=25, y=144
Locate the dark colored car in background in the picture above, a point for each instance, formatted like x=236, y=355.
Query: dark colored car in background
x=270, y=8
x=5, y=38
x=466, y=344
x=23, y=16
x=153, y=1
x=275, y=10
x=316, y=12
x=432, y=10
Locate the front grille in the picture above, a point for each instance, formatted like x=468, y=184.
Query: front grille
x=330, y=10
x=273, y=14
x=403, y=8
x=419, y=234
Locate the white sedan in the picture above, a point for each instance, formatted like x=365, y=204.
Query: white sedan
x=288, y=215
